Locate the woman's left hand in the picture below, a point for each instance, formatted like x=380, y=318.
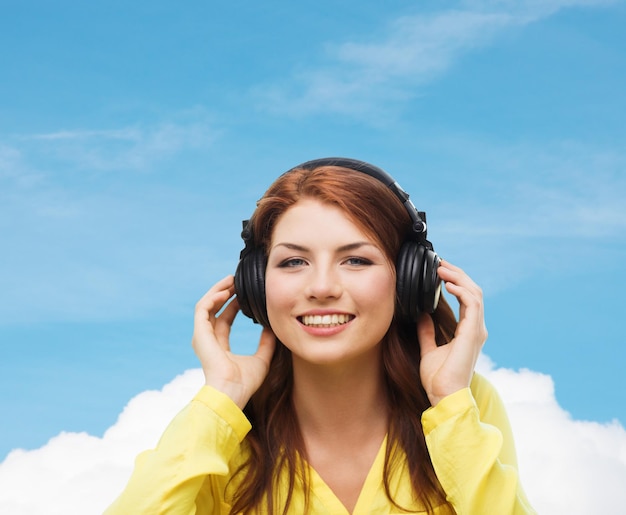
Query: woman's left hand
x=449, y=368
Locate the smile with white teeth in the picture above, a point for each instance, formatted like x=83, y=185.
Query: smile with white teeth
x=326, y=320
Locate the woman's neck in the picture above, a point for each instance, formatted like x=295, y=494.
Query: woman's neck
x=340, y=400
x=343, y=418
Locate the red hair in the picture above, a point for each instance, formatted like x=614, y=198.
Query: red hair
x=275, y=440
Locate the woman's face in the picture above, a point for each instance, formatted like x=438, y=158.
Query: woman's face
x=330, y=289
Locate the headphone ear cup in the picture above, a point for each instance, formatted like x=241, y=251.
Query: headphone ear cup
x=408, y=278
x=417, y=282
x=430, y=291
x=250, y=286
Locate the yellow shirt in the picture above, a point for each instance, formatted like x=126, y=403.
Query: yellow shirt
x=468, y=437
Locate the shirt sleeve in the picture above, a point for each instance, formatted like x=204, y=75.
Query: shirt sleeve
x=192, y=455
x=470, y=442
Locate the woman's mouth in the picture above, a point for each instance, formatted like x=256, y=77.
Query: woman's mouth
x=334, y=320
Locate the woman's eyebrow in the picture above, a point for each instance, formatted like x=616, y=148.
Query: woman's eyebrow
x=343, y=248
x=291, y=246
x=355, y=246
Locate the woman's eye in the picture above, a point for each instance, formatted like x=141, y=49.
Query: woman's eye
x=358, y=261
x=291, y=263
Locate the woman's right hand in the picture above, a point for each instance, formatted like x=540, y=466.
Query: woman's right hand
x=238, y=376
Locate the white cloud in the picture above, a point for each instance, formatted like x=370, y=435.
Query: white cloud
x=568, y=466
x=365, y=79
x=76, y=473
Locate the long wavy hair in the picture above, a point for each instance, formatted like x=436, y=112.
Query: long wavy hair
x=275, y=441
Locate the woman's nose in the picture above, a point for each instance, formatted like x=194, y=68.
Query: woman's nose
x=324, y=283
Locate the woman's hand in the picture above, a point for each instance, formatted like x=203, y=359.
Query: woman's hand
x=449, y=368
x=238, y=376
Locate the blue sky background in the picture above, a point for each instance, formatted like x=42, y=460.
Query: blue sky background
x=135, y=137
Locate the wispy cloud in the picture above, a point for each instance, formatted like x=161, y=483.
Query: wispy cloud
x=365, y=79
x=568, y=466
x=358, y=76
x=126, y=134
x=531, y=207
x=13, y=169
x=541, y=190
x=531, y=10
x=108, y=243
x=133, y=147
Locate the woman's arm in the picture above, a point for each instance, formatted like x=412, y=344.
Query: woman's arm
x=470, y=442
x=188, y=470
x=467, y=430
x=199, y=443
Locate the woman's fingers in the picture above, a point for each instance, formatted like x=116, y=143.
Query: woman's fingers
x=267, y=344
x=213, y=300
x=224, y=322
x=470, y=297
x=426, y=334
x=455, y=277
x=206, y=325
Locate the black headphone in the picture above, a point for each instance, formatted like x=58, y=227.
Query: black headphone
x=417, y=283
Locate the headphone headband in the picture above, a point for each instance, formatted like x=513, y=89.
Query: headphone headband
x=418, y=218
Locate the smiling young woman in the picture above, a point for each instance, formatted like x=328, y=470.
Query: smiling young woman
x=360, y=398
x=322, y=267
